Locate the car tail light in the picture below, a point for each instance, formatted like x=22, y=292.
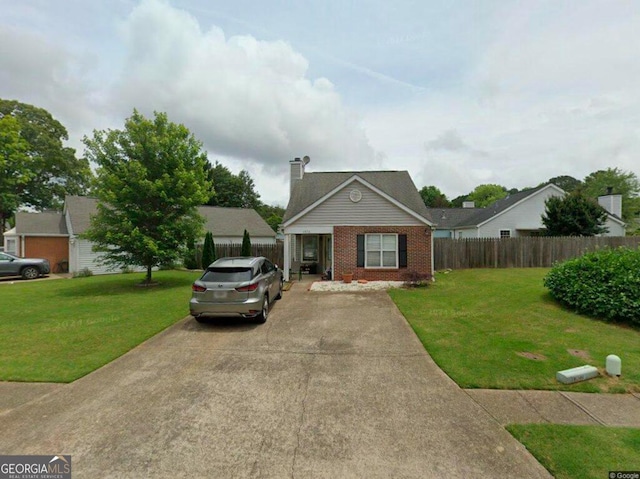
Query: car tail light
x=196, y=288
x=247, y=289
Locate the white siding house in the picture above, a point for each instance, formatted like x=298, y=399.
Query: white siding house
x=516, y=215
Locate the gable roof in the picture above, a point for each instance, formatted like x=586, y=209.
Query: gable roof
x=448, y=218
x=233, y=221
x=474, y=217
x=315, y=186
x=40, y=224
x=80, y=209
x=500, y=206
x=220, y=221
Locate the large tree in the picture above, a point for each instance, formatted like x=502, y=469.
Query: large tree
x=433, y=197
x=573, y=215
x=272, y=214
x=621, y=182
x=484, y=195
x=47, y=170
x=150, y=179
x=13, y=176
x=235, y=191
x=566, y=182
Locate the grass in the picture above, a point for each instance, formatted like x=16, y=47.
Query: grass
x=61, y=330
x=477, y=324
x=600, y=449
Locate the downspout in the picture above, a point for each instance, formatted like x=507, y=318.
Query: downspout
x=433, y=271
x=287, y=256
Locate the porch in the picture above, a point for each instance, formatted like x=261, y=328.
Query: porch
x=308, y=255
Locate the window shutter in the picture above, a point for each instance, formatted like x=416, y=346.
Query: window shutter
x=402, y=251
x=360, y=251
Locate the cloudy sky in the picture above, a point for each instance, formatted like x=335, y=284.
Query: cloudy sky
x=458, y=93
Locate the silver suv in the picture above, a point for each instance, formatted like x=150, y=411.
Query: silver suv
x=28, y=268
x=243, y=287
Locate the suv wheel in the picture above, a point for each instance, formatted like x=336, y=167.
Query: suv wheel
x=264, y=314
x=30, y=272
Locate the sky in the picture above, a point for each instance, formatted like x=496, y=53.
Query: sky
x=458, y=93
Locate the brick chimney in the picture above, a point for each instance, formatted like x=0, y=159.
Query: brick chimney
x=297, y=166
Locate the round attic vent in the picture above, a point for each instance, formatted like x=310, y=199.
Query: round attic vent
x=355, y=195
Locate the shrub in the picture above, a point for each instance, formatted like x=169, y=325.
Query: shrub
x=208, y=250
x=189, y=259
x=246, y=244
x=603, y=284
x=83, y=273
x=415, y=279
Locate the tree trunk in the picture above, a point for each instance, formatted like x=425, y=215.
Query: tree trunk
x=148, y=280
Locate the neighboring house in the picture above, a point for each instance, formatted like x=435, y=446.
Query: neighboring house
x=370, y=223
x=519, y=214
x=228, y=224
x=40, y=235
x=58, y=236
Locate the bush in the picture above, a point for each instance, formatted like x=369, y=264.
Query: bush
x=414, y=279
x=604, y=284
x=83, y=273
x=189, y=259
x=208, y=250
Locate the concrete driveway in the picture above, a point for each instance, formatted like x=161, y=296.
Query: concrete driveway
x=334, y=385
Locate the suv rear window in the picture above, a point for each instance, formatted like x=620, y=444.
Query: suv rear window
x=227, y=275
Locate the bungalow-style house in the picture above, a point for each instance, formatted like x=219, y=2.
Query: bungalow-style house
x=40, y=235
x=519, y=214
x=372, y=224
x=58, y=236
x=228, y=224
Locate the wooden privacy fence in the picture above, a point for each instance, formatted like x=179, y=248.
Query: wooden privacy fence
x=273, y=252
x=522, y=252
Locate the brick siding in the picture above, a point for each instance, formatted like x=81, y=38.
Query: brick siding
x=346, y=252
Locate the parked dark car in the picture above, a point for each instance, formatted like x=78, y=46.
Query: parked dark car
x=28, y=268
x=243, y=287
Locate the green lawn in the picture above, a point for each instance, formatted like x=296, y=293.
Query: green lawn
x=479, y=325
x=61, y=330
x=581, y=452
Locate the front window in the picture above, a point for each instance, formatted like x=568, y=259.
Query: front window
x=310, y=248
x=381, y=251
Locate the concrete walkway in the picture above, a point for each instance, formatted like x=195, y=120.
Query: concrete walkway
x=559, y=407
x=333, y=385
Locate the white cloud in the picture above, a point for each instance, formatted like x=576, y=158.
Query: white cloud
x=44, y=74
x=242, y=97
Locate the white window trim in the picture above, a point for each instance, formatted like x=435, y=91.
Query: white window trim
x=366, y=251
x=504, y=237
x=14, y=242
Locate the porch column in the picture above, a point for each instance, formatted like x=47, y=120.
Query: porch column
x=287, y=256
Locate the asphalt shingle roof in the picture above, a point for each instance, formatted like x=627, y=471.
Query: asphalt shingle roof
x=461, y=217
x=446, y=218
x=315, y=185
x=499, y=206
x=80, y=209
x=220, y=221
x=47, y=222
x=233, y=221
